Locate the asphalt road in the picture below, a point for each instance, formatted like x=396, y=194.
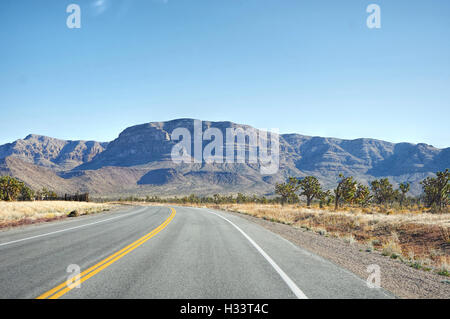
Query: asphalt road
x=162, y=252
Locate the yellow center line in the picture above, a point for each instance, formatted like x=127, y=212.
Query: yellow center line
x=66, y=286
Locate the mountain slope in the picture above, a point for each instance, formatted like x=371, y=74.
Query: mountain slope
x=139, y=162
x=51, y=152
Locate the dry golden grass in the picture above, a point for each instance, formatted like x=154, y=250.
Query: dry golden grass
x=414, y=236
x=291, y=214
x=16, y=213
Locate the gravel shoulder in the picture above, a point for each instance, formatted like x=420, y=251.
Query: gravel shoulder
x=396, y=277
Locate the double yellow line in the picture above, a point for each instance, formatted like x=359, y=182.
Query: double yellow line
x=68, y=285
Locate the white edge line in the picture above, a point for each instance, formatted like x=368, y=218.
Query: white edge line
x=67, y=229
x=294, y=288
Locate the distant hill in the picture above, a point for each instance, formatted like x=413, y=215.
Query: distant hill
x=138, y=162
x=51, y=152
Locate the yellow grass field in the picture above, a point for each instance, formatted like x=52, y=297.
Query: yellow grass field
x=17, y=213
x=419, y=238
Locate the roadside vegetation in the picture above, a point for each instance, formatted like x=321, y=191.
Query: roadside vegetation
x=20, y=205
x=380, y=195
x=414, y=230
x=30, y=212
x=12, y=189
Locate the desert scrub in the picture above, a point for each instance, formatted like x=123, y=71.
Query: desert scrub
x=369, y=246
x=444, y=271
x=349, y=239
x=321, y=231
x=392, y=247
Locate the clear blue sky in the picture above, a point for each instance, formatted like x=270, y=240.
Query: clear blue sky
x=305, y=66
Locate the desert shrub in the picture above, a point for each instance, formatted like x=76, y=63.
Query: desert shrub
x=12, y=189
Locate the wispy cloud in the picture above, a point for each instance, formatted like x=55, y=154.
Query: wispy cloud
x=100, y=6
x=122, y=6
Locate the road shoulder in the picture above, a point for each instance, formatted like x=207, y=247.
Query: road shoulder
x=396, y=277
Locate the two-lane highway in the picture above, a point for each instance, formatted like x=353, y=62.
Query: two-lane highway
x=162, y=252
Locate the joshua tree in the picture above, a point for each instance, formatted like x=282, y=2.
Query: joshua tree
x=310, y=187
x=345, y=190
x=383, y=191
x=287, y=190
x=362, y=195
x=437, y=189
x=404, y=189
x=12, y=189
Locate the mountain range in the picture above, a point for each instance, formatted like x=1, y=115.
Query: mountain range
x=139, y=163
